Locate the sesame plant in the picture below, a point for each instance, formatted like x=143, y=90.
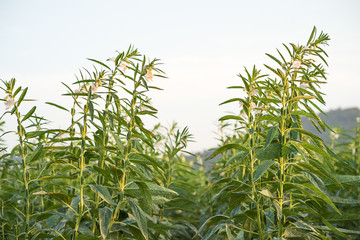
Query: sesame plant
x=102, y=177
x=107, y=175
x=277, y=180
x=348, y=150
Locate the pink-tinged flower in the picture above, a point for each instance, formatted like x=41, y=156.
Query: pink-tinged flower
x=252, y=106
x=112, y=59
x=9, y=103
x=254, y=92
x=257, y=111
x=94, y=87
x=77, y=90
x=149, y=75
x=123, y=65
x=241, y=104
x=142, y=108
x=296, y=64
x=243, y=114
x=304, y=85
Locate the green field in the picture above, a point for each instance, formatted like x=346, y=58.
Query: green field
x=279, y=171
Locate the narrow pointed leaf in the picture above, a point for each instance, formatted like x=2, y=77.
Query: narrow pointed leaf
x=262, y=168
x=104, y=218
x=103, y=193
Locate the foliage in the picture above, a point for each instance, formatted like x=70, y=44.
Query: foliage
x=103, y=176
x=276, y=180
x=107, y=176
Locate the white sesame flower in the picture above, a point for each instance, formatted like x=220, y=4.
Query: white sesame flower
x=142, y=108
x=241, y=104
x=304, y=85
x=334, y=135
x=9, y=103
x=296, y=64
x=358, y=119
x=243, y=114
x=123, y=65
x=113, y=59
x=77, y=90
x=149, y=75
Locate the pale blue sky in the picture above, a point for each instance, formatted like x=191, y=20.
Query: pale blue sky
x=203, y=45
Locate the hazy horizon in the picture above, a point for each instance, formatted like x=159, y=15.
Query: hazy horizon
x=203, y=45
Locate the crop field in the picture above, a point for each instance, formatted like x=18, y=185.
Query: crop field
x=107, y=176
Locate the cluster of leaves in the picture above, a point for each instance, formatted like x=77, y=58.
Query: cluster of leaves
x=348, y=150
x=275, y=180
x=105, y=176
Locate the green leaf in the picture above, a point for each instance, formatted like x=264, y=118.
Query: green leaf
x=32, y=110
x=261, y=169
x=274, y=58
x=347, y=180
x=231, y=117
x=266, y=193
x=215, y=218
x=145, y=201
x=300, y=130
x=228, y=233
x=91, y=110
x=321, y=195
x=342, y=230
x=34, y=155
x=21, y=98
x=58, y=106
x=317, y=182
x=307, y=146
x=119, y=144
x=225, y=148
x=240, y=155
x=232, y=100
x=302, y=97
x=103, y=193
x=270, y=135
x=273, y=151
x=154, y=189
x=102, y=64
x=103, y=172
x=345, y=201
x=140, y=218
x=104, y=218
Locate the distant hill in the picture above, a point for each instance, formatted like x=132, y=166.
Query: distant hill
x=344, y=119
